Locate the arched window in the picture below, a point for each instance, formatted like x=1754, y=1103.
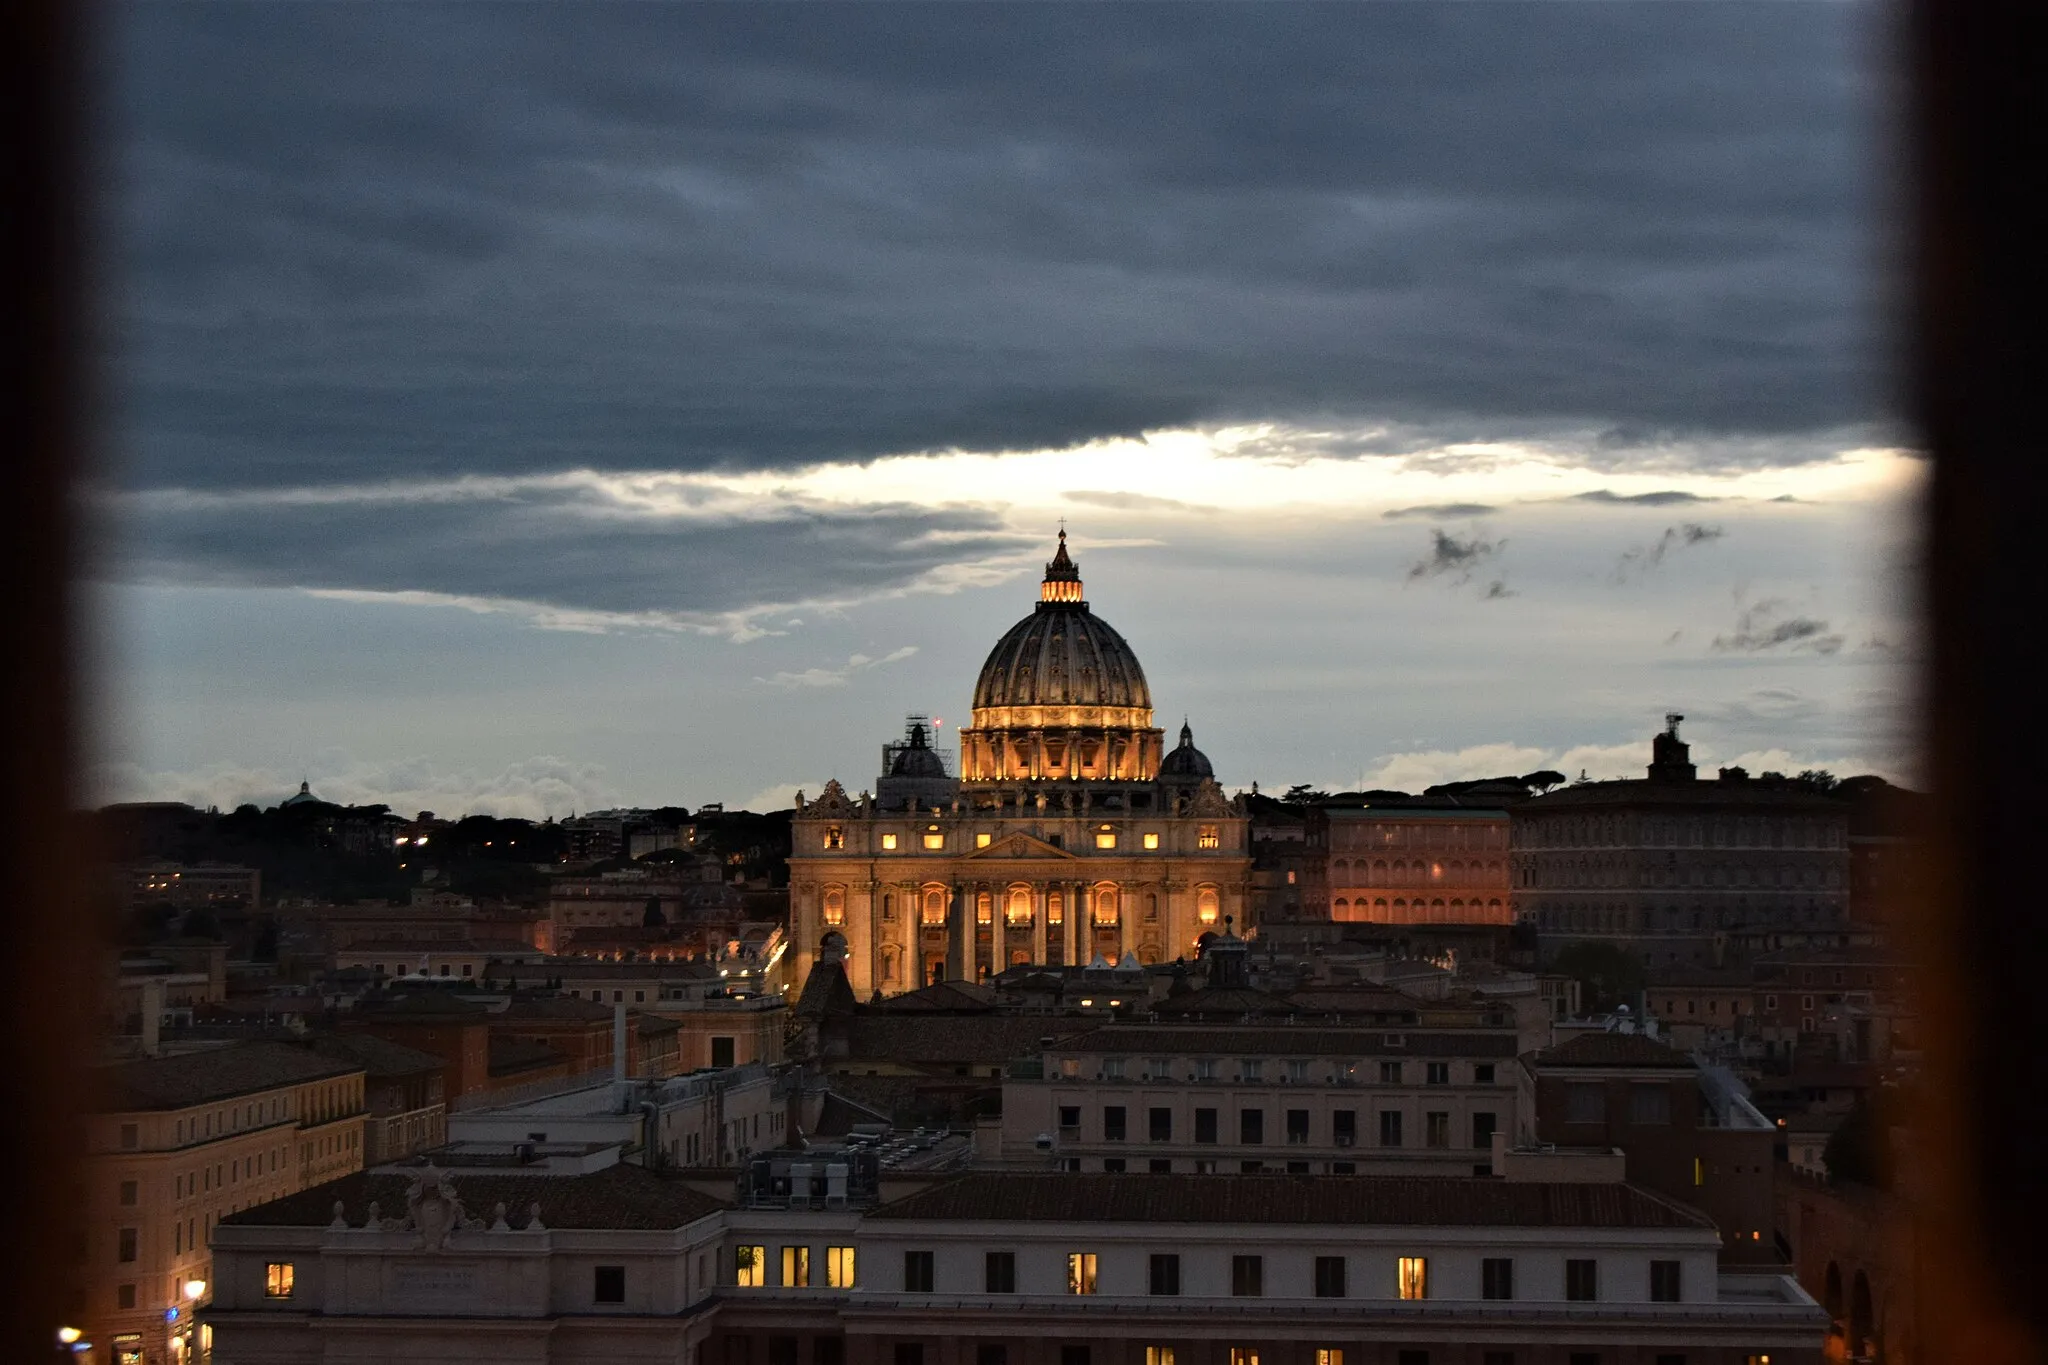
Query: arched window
x=984, y=908
x=1018, y=910
x=835, y=905
x=1151, y=908
x=1208, y=904
x=888, y=907
x=1105, y=906
x=935, y=905
x=1055, y=908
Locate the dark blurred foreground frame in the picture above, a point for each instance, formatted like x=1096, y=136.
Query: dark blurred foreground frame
x=1980, y=123
x=1980, y=139
x=43, y=446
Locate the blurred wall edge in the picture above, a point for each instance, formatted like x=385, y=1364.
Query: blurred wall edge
x=1979, y=124
x=43, y=443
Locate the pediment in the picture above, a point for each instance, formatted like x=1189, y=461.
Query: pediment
x=1022, y=845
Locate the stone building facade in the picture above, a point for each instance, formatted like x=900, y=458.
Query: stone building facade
x=1068, y=835
x=1418, y=865
x=1677, y=869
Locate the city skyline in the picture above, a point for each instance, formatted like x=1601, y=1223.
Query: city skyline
x=678, y=400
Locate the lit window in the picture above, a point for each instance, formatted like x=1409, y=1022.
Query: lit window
x=1329, y=1355
x=984, y=908
x=1105, y=906
x=749, y=1266
x=1207, y=904
x=277, y=1280
x=835, y=837
x=1105, y=838
x=1055, y=908
x=982, y=840
x=839, y=1267
x=1244, y=1355
x=933, y=838
x=1018, y=910
x=796, y=1267
x=1158, y=1355
x=1414, y=1277
x=1152, y=841
x=889, y=841
x=1210, y=836
x=934, y=906
x=1081, y=1272
x=835, y=906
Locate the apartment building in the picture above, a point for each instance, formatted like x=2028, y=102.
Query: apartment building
x=175, y=1143
x=1687, y=1131
x=995, y=1269
x=1216, y=1099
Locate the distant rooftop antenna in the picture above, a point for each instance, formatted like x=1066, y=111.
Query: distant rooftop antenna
x=1671, y=720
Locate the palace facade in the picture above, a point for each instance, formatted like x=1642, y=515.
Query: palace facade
x=1069, y=834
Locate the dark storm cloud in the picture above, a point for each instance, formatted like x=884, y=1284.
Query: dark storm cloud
x=1458, y=558
x=1640, y=559
x=558, y=549
x=1764, y=626
x=366, y=242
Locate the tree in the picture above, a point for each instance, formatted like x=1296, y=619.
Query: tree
x=1300, y=794
x=1817, y=780
x=1608, y=974
x=1542, y=780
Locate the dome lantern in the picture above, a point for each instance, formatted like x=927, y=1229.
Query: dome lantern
x=1062, y=576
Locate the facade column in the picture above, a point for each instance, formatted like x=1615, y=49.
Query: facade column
x=1038, y=924
x=960, y=936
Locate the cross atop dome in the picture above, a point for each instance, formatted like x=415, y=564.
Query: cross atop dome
x=1062, y=576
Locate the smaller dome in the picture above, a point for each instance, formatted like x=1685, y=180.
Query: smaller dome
x=304, y=797
x=917, y=758
x=1186, y=762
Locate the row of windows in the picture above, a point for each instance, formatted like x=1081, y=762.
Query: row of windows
x=750, y=1267
x=1401, y=903
x=1401, y=872
x=1252, y=1070
x=829, y=1351
x=1620, y=873
x=1114, y=1126
x=1463, y=834
x=933, y=839
x=1104, y=906
x=1680, y=832
x=1330, y=1275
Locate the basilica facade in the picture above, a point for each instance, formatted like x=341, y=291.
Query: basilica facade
x=1069, y=833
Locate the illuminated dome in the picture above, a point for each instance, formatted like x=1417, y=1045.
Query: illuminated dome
x=1061, y=696
x=1062, y=655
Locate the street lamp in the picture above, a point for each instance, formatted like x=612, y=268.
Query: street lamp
x=187, y=1338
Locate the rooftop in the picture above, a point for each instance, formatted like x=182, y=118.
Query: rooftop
x=176, y=1082
x=619, y=1196
x=1631, y=1050
x=1436, y=1201
x=1270, y=1040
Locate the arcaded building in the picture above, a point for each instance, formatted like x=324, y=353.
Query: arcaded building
x=1677, y=869
x=1069, y=833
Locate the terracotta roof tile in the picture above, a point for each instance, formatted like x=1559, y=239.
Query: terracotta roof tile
x=216, y=1074
x=619, y=1196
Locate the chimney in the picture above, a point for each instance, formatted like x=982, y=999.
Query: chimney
x=152, y=1016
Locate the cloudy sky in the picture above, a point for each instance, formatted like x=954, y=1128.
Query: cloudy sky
x=538, y=408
